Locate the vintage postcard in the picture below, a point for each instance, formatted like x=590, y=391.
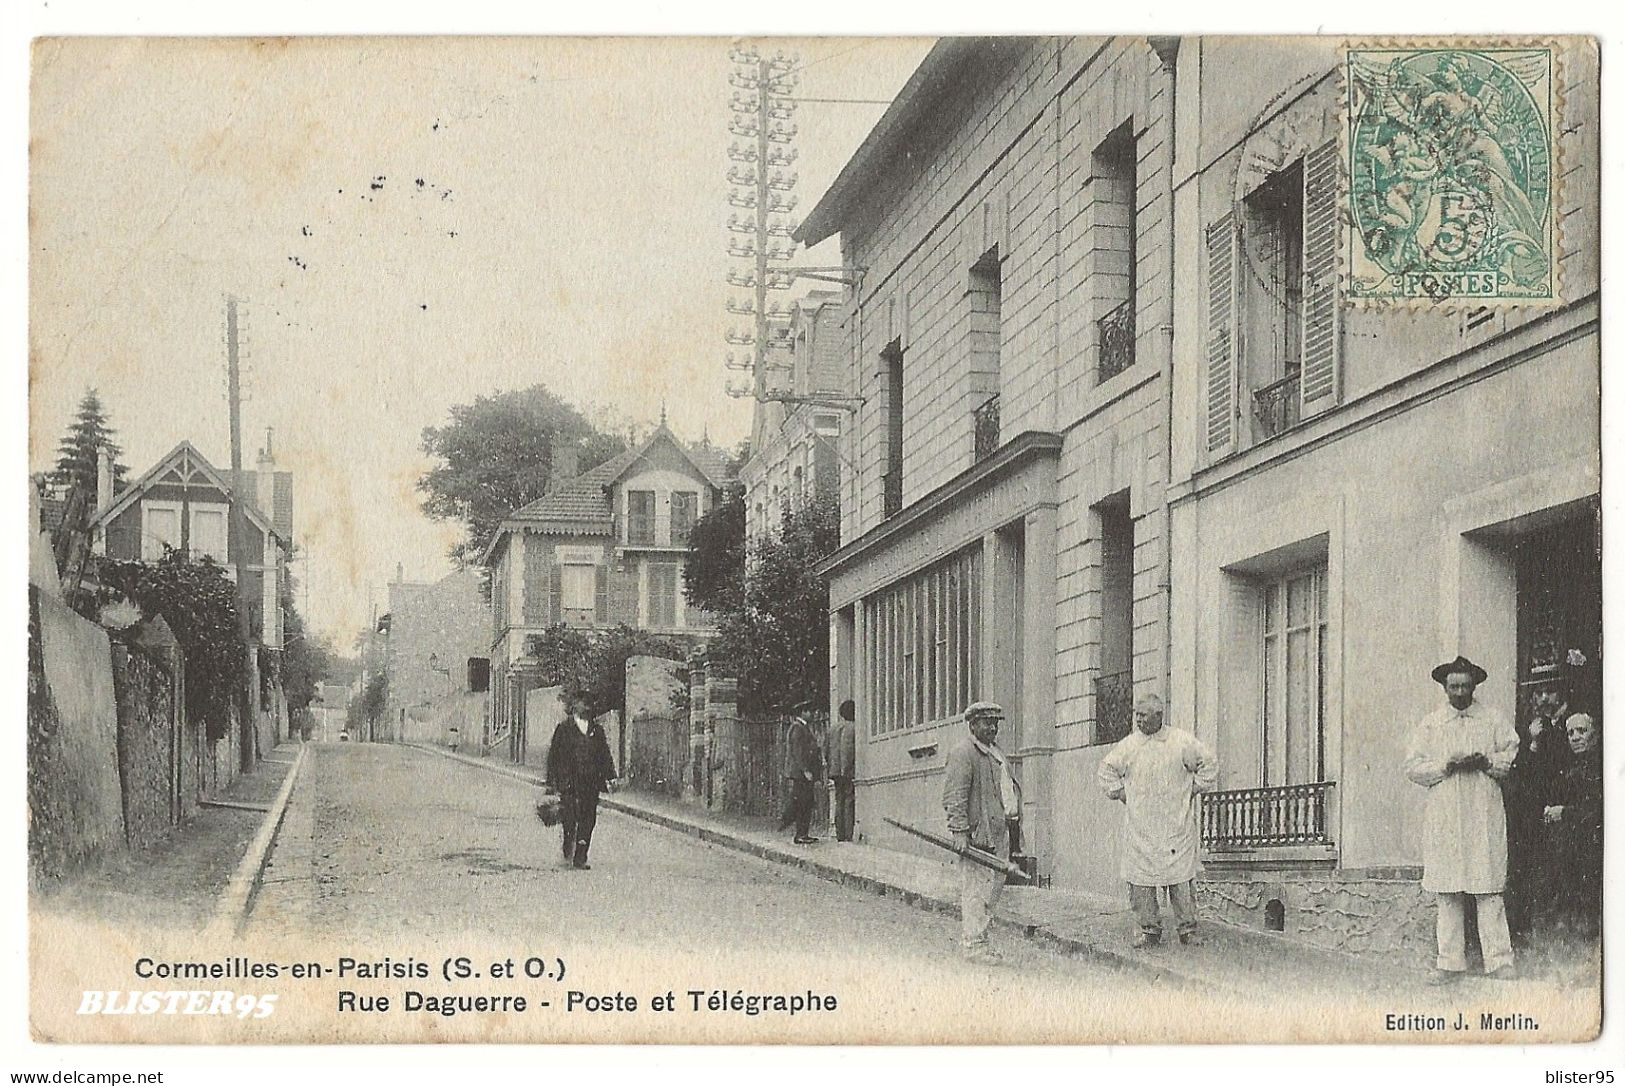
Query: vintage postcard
x=978, y=540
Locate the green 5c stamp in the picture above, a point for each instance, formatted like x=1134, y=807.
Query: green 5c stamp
x=1451, y=175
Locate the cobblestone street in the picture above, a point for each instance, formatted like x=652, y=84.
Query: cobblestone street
x=415, y=849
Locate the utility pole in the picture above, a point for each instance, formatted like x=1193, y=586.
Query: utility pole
x=760, y=182
x=239, y=541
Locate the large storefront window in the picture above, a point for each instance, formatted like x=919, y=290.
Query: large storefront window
x=922, y=644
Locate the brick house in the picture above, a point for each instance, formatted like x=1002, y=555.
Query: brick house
x=796, y=431
x=182, y=502
x=1003, y=491
x=602, y=549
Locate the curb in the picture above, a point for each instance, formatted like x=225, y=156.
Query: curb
x=1033, y=932
x=233, y=907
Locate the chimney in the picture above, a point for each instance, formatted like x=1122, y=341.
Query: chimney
x=104, y=477
x=400, y=572
x=566, y=460
x=265, y=484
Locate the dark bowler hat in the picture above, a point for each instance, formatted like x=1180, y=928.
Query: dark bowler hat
x=807, y=705
x=1460, y=666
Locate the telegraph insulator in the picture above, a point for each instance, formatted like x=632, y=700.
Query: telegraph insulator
x=745, y=200
x=739, y=391
x=741, y=279
x=743, y=308
x=740, y=152
x=777, y=203
x=742, y=177
x=739, y=338
x=740, y=126
x=742, y=249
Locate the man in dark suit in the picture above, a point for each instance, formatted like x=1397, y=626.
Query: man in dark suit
x=579, y=767
x=842, y=767
x=803, y=764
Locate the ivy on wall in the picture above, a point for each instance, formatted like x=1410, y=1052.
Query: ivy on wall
x=199, y=602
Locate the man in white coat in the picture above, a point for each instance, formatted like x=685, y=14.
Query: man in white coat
x=1460, y=753
x=1157, y=772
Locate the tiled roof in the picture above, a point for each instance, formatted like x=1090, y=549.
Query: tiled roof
x=581, y=498
x=586, y=498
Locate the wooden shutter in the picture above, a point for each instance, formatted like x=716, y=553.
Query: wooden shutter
x=537, y=580
x=600, y=594
x=1221, y=335
x=1322, y=324
x=555, y=596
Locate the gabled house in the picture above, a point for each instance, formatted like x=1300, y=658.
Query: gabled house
x=183, y=502
x=602, y=549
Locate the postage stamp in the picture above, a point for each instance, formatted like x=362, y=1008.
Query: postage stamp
x=1450, y=157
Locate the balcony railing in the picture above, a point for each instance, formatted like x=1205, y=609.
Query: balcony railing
x=892, y=495
x=985, y=422
x=1116, y=340
x=1248, y=818
x=1114, y=706
x=1276, y=406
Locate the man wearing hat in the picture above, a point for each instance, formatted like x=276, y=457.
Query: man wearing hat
x=579, y=767
x=983, y=801
x=1460, y=753
x=802, y=766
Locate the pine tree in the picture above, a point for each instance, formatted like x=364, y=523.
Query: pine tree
x=76, y=453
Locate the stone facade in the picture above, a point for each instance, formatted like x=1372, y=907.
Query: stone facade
x=1010, y=340
x=437, y=653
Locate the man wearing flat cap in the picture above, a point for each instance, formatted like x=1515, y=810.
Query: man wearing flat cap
x=1460, y=753
x=983, y=801
x=803, y=765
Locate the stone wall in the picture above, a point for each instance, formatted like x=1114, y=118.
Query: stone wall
x=74, y=803
x=1384, y=918
x=146, y=744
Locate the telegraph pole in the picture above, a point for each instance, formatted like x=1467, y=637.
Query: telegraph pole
x=239, y=541
x=760, y=182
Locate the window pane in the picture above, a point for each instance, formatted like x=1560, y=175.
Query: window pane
x=209, y=533
x=1299, y=594
x=1300, y=708
x=161, y=527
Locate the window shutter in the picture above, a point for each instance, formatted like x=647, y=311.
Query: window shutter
x=555, y=596
x=1221, y=334
x=1322, y=325
x=600, y=594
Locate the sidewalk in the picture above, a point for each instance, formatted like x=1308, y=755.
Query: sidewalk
x=177, y=882
x=1230, y=960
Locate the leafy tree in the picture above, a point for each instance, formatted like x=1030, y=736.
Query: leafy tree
x=496, y=454
x=365, y=711
x=714, y=575
x=306, y=660
x=775, y=636
x=593, y=664
x=76, y=453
